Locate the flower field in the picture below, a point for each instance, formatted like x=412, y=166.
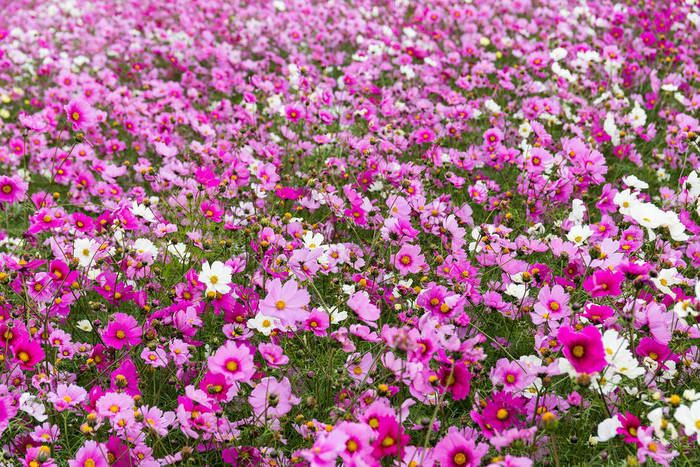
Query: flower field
x=416, y=233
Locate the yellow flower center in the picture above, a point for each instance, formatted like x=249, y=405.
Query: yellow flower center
x=280, y=305
x=459, y=458
x=578, y=351
x=388, y=441
x=232, y=365
x=502, y=414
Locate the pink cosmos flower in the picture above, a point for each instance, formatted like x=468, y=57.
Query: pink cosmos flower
x=8, y=410
x=408, y=260
x=360, y=303
x=67, y=396
x=294, y=113
x=552, y=304
x=358, y=443
x=217, y=386
x=273, y=354
x=326, y=449
x=285, y=302
x=454, y=450
x=157, y=420
x=511, y=375
x=233, y=361
x=122, y=331
x=12, y=189
x=125, y=378
x=112, y=403
x=80, y=114
x=359, y=367
x=272, y=397
x=652, y=448
x=583, y=349
x=317, y=322
x=629, y=425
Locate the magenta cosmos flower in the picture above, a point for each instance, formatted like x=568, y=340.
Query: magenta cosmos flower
x=12, y=189
x=27, y=353
x=408, y=260
x=604, y=282
x=122, y=330
x=80, y=114
x=454, y=450
x=583, y=349
x=233, y=361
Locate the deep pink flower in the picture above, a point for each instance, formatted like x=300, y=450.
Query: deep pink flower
x=12, y=189
x=604, y=282
x=122, y=330
x=80, y=114
x=27, y=352
x=317, y=322
x=629, y=426
x=583, y=349
x=389, y=436
x=455, y=379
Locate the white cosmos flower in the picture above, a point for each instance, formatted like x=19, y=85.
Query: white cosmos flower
x=666, y=279
x=263, y=324
x=611, y=128
x=143, y=245
x=179, y=250
x=33, y=406
x=85, y=250
x=607, y=429
x=312, y=240
x=84, y=325
x=216, y=277
x=618, y=355
x=142, y=211
x=634, y=182
x=625, y=200
x=647, y=215
x=662, y=428
x=637, y=117
x=689, y=417
x=578, y=210
x=558, y=54
x=579, y=234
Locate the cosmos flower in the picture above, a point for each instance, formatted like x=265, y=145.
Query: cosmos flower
x=12, y=189
x=122, y=330
x=80, y=113
x=583, y=349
